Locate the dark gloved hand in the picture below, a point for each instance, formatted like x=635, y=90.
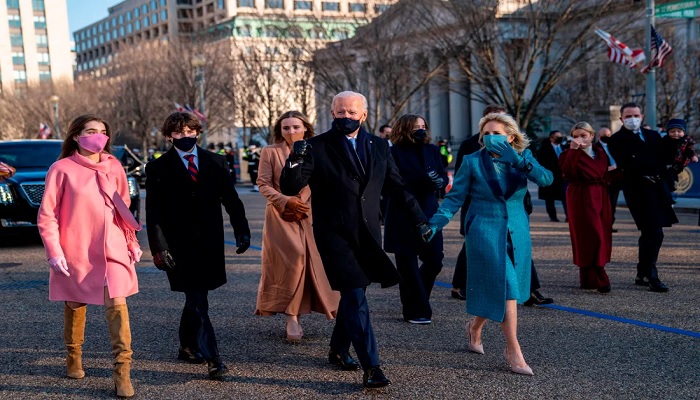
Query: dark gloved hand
x=299, y=150
x=426, y=231
x=242, y=242
x=164, y=260
x=435, y=179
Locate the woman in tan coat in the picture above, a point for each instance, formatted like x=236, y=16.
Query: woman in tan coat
x=293, y=280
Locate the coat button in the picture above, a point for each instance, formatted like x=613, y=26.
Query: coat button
x=365, y=219
x=363, y=198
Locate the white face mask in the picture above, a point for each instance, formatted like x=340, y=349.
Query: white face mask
x=632, y=123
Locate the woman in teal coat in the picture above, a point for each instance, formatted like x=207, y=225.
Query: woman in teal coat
x=497, y=229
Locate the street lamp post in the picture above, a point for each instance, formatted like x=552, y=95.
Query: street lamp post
x=54, y=103
x=198, y=64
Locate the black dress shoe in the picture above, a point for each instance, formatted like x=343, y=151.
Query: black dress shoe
x=640, y=281
x=459, y=294
x=555, y=219
x=536, y=299
x=217, y=369
x=374, y=378
x=604, y=289
x=192, y=357
x=343, y=360
x=655, y=285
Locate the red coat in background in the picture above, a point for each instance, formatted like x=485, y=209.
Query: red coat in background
x=590, y=216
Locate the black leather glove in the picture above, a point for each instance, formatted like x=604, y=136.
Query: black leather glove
x=435, y=179
x=164, y=260
x=299, y=150
x=242, y=242
x=426, y=231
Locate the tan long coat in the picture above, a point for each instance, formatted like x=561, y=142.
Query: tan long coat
x=293, y=280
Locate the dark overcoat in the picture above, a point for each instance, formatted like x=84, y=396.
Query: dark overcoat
x=547, y=158
x=413, y=162
x=345, y=207
x=185, y=217
x=644, y=174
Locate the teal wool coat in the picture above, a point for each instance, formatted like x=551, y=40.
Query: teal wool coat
x=492, y=215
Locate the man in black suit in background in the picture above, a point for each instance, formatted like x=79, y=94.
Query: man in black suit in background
x=185, y=189
x=346, y=169
x=638, y=156
x=548, y=157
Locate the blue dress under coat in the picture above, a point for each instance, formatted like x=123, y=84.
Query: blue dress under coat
x=496, y=209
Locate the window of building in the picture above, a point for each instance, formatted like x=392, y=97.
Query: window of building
x=114, y=34
x=145, y=22
x=246, y=3
x=18, y=58
x=380, y=8
x=16, y=39
x=357, y=7
x=303, y=5
x=128, y=28
x=108, y=36
x=184, y=2
x=14, y=21
x=13, y=4
x=163, y=3
x=220, y=4
x=154, y=19
x=137, y=25
x=200, y=11
x=44, y=76
x=121, y=31
x=154, y=5
x=94, y=30
x=164, y=15
x=99, y=28
x=330, y=6
x=144, y=9
x=244, y=31
x=20, y=75
x=210, y=8
x=128, y=15
x=121, y=19
x=39, y=22
x=340, y=34
x=43, y=58
x=275, y=4
x=38, y=5
x=94, y=41
x=136, y=12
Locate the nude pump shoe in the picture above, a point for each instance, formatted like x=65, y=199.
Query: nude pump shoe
x=526, y=370
x=474, y=348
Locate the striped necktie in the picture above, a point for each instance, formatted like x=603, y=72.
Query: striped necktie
x=191, y=167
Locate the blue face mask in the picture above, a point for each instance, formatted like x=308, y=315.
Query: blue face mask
x=491, y=140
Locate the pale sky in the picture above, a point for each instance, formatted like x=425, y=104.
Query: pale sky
x=82, y=13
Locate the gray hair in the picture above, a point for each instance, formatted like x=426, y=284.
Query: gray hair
x=349, y=93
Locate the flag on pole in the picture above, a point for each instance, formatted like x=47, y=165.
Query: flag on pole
x=637, y=56
x=189, y=109
x=44, y=131
x=199, y=115
x=179, y=107
x=660, y=50
x=618, y=52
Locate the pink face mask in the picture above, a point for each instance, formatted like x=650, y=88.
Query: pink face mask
x=94, y=143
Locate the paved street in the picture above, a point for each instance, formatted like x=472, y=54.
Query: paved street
x=630, y=344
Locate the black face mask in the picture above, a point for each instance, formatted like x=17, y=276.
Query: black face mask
x=559, y=140
x=185, y=143
x=346, y=126
x=419, y=135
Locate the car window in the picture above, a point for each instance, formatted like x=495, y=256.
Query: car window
x=30, y=155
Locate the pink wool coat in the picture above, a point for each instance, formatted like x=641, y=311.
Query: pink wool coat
x=77, y=220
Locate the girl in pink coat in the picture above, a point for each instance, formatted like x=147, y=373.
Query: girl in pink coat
x=90, y=241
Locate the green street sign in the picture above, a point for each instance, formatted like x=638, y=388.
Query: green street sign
x=678, y=14
x=675, y=7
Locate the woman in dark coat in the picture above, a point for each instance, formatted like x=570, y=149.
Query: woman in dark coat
x=423, y=172
x=585, y=166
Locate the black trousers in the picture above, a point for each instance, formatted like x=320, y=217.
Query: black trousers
x=552, y=209
x=352, y=325
x=649, y=245
x=417, y=282
x=196, y=332
x=613, y=193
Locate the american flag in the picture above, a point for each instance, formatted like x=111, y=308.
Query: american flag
x=618, y=52
x=661, y=50
x=616, y=56
x=44, y=131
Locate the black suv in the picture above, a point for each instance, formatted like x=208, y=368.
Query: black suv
x=21, y=195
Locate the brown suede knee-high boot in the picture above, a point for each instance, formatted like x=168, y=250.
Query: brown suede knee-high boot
x=74, y=336
x=120, y=336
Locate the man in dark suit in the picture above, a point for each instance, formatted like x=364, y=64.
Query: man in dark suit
x=637, y=153
x=185, y=189
x=346, y=169
x=548, y=157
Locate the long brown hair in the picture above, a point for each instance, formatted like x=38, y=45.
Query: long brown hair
x=277, y=130
x=403, y=128
x=70, y=145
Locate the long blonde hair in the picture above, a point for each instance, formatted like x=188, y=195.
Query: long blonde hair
x=520, y=141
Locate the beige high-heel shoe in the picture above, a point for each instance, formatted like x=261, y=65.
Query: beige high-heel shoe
x=295, y=334
x=526, y=370
x=474, y=348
